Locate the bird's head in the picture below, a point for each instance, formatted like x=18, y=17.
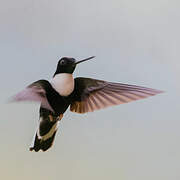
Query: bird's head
x=68, y=64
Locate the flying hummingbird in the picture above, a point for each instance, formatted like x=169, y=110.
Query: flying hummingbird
x=81, y=94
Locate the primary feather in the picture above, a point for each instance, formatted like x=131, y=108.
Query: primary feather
x=92, y=94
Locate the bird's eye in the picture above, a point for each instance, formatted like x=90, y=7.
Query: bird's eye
x=62, y=62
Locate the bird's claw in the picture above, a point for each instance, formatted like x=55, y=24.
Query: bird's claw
x=60, y=117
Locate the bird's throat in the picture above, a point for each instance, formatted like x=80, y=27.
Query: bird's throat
x=63, y=83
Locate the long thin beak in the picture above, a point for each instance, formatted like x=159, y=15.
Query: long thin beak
x=84, y=60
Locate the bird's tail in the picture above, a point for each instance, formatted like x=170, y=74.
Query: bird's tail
x=45, y=134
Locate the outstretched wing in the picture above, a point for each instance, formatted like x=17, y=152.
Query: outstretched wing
x=34, y=92
x=91, y=94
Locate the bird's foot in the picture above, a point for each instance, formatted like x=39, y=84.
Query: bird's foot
x=51, y=119
x=60, y=117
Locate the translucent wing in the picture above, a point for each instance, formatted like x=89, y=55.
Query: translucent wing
x=91, y=94
x=34, y=92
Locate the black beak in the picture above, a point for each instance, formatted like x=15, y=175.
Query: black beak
x=84, y=60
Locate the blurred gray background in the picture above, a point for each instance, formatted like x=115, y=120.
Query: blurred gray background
x=135, y=42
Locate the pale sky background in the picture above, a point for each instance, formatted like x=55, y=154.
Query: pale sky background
x=134, y=41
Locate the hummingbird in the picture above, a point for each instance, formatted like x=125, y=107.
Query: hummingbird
x=81, y=94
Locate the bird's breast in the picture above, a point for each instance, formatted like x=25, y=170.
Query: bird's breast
x=63, y=83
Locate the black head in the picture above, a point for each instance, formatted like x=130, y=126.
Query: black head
x=68, y=65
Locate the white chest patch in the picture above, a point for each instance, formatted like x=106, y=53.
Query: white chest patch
x=63, y=83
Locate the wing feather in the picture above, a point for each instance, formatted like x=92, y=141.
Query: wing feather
x=91, y=94
x=34, y=92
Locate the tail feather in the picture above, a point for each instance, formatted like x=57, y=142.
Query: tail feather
x=44, y=145
x=45, y=134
